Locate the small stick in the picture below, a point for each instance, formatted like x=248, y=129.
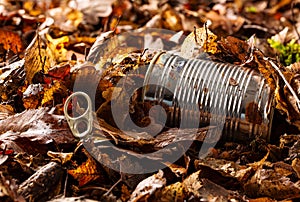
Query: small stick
x=285, y=81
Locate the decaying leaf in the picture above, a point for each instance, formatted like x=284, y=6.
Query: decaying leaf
x=11, y=80
x=11, y=41
x=148, y=186
x=200, y=187
x=171, y=20
x=268, y=182
x=296, y=166
x=8, y=190
x=54, y=94
x=173, y=192
x=35, y=131
x=201, y=38
x=32, y=96
x=38, y=58
x=226, y=168
x=86, y=172
x=60, y=156
x=57, y=47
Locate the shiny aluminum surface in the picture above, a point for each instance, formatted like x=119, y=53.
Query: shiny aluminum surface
x=202, y=92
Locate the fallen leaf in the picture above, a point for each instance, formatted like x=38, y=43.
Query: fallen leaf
x=148, y=186
x=35, y=131
x=296, y=166
x=60, y=156
x=203, y=189
x=171, y=19
x=8, y=190
x=32, y=96
x=11, y=41
x=54, y=94
x=86, y=172
x=268, y=182
x=201, y=38
x=172, y=192
x=38, y=58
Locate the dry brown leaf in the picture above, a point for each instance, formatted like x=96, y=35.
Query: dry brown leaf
x=173, y=192
x=35, y=132
x=268, y=182
x=38, y=57
x=203, y=189
x=202, y=38
x=60, y=156
x=226, y=168
x=171, y=20
x=148, y=186
x=86, y=172
x=57, y=90
x=32, y=96
x=296, y=166
x=125, y=193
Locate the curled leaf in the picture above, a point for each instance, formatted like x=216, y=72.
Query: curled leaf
x=86, y=172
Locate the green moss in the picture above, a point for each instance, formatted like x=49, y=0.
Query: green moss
x=251, y=9
x=288, y=53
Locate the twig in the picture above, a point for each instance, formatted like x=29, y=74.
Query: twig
x=285, y=81
x=65, y=185
x=206, y=35
x=112, y=187
x=195, y=34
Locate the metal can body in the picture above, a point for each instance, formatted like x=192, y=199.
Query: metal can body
x=201, y=93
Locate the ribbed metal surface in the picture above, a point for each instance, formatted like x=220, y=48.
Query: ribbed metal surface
x=200, y=93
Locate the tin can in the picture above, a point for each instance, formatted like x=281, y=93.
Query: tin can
x=198, y=93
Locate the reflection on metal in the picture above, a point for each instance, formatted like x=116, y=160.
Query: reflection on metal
x=81, y=125
x=203, y=92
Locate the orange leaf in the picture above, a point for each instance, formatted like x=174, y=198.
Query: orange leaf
x=11, y=41
x=86, y=172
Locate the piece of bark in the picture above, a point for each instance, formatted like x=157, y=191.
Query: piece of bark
x=44, y=184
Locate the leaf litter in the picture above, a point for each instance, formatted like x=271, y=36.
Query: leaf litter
x=45, y=46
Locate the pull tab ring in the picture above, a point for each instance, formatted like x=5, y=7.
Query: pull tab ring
x=86, y=118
